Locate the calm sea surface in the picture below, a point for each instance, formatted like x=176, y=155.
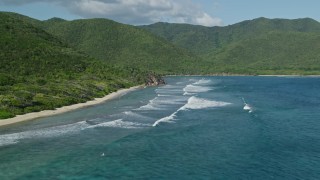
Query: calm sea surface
x=191, y=128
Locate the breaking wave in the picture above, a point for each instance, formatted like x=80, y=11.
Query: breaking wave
x=165, y=119
x=192, y=89
x=136, y=116
x=193, y=103
x=119, y=123
x=164, y=101
x=43, y=133
x=168, y=87
x=168, y=91
x=161, y=102
x=199, y=103
x=164, y=95
x=148, y=107
x=202, y=82
x=56, y=131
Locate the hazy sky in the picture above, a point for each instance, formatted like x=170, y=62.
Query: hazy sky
x=137, y=12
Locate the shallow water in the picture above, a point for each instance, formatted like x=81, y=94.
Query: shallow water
x=191, y=128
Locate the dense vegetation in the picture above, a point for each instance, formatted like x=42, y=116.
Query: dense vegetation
x=39, y=72
x=123, y=45
x=120, y=44
x=270, y=53
x=259, y=46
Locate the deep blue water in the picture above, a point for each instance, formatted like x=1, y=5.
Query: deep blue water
x=191, y=128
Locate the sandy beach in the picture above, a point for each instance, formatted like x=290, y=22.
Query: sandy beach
x=45, y=113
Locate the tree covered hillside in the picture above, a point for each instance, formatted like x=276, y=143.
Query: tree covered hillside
x=271, y=53
x=39, y=71
x=259, y=46
x=124, y=45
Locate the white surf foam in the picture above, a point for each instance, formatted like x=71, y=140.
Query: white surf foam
x=164, y=101
x=168, y=87
x=119, y=123
x=131, y=114
x=8, y=139
x=43, y=133
x=193, y=103
x=193, y=80
x=202, y=82
x=165, y=95
x=166, y=119
x=188, y=94
x=192, y=89
x=199, y=103
x=148, y=107
x=168, y=91
x=161, y=102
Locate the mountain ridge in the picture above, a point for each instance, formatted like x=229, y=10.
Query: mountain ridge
x=217, y=45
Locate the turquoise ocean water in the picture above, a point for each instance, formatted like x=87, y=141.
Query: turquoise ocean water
x=191, y=128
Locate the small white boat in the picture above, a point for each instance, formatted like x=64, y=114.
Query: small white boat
x=246, y=106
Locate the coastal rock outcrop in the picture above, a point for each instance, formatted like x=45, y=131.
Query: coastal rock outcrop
x=154, y=80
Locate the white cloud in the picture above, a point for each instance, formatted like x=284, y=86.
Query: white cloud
x=135, y=11
x=206, y=20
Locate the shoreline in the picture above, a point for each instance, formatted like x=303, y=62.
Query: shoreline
x=64, y=109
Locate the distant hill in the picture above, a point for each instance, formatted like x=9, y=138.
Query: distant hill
x=270, y=53
x=123, y=45
x=38, y=71
x=259, y=46
x=120, y=44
